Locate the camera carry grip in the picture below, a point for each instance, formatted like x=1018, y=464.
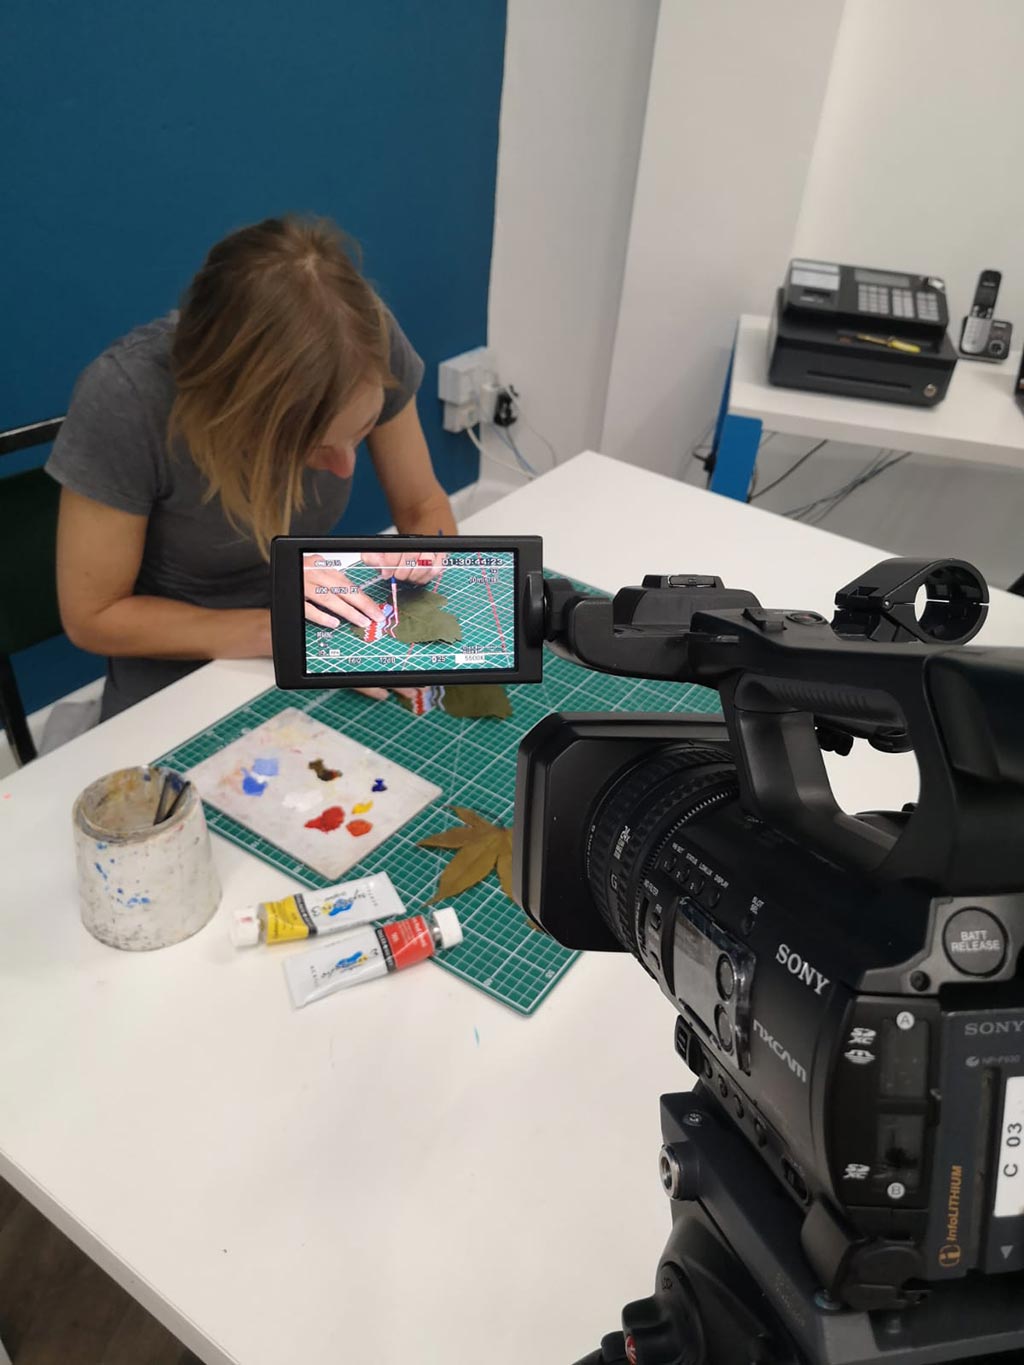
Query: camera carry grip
x=889, y=668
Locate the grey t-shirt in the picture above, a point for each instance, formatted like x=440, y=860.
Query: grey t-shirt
x=113, y=448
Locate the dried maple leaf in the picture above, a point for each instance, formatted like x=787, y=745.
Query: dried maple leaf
x=481, y=847
x=458, y=837
x=505, y=870
x=470, y=817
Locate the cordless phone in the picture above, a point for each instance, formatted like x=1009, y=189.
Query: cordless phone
x=977, y=327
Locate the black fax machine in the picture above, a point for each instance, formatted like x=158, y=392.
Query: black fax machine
x=862, y=333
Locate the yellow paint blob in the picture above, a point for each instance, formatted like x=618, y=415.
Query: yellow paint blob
x=362, y=808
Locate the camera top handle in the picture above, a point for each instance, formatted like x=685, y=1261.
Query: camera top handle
x=879, y=671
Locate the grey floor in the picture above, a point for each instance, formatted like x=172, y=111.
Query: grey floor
x=58, y=1308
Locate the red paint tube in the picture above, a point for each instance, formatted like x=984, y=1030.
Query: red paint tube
x=369, y=952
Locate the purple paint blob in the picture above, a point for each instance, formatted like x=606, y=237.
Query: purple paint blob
x=252, y=786
x=266, y=767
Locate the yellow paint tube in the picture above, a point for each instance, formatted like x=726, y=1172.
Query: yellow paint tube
x=309, y=914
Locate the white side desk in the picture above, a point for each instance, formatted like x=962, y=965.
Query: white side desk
x=364, y=1179
x=978, y=420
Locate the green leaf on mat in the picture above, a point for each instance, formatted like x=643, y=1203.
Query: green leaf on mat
x=421, y=618
x=476, y=699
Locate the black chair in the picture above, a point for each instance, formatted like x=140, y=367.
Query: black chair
x=28, y=572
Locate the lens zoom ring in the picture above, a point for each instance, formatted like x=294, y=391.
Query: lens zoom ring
x=635, y=799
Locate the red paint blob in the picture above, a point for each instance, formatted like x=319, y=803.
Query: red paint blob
x=358, y=827
x=329, y=819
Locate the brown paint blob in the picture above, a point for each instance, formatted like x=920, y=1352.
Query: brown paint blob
x=324, y=773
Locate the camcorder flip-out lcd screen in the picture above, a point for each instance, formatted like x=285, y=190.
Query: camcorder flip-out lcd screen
x=402, y=610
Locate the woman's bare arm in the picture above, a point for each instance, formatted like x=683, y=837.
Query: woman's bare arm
x=99, y=551
x=400, y=456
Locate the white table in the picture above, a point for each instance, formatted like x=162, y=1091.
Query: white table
x=978, y=420
x=363, y=1180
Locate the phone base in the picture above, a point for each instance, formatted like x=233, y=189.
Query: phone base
x=997, y=348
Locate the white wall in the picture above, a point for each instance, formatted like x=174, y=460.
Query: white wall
x=883, y=132
x=576, y=78
x=735, y=100
x=919, y=160
x=918, y=166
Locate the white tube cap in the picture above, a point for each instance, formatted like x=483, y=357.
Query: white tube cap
x=448, y=926
x=245, y=928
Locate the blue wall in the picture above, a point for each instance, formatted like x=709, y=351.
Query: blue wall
x=136, y=135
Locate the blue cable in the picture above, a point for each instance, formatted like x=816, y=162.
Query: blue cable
x=523, y=461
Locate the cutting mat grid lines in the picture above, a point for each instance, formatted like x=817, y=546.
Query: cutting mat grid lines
x=479, y=610
x=473, y=761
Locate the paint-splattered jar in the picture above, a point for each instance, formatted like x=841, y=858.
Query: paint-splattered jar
x=143, y=885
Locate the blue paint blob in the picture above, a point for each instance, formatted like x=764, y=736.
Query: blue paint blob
x=252, y=786
x=266, y=767
x=101, y=847
x=387, y=610
x=378, y=785
x=339, y=907
x=100, y=870
x=350, y=961
x=136, y=900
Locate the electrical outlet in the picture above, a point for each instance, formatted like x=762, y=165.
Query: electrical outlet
x=467, y=384
x=462, y=377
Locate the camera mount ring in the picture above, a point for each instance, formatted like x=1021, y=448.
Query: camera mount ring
x=883, y=605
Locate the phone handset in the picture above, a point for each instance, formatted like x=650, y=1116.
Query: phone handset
x=979, y=324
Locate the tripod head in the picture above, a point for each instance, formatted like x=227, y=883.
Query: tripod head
x=733, y=1233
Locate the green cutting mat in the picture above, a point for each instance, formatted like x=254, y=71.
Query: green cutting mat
x=473, y=761
x=485, y=610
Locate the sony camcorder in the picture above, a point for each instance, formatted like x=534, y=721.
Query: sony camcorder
x=849, y=988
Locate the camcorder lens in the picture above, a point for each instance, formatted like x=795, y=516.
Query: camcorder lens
x=636, y=816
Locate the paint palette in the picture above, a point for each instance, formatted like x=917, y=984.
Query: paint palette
x=318, y=795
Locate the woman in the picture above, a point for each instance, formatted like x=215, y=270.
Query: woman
x=194, y=440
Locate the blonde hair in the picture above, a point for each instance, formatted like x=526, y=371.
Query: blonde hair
x=277, y=332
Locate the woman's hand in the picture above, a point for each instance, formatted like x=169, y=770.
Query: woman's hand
x=335, y=590
x=422, y=567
